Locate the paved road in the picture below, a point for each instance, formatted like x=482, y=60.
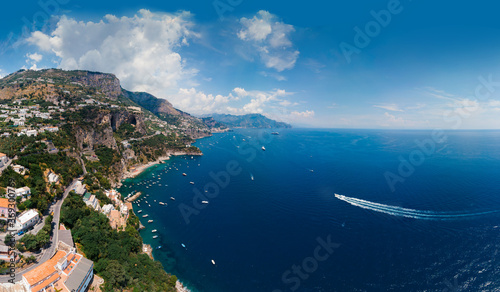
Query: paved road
x=50, y=251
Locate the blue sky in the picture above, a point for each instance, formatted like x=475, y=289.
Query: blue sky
x=363, y=64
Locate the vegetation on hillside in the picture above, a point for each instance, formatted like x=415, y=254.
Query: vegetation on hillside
x=116, y=254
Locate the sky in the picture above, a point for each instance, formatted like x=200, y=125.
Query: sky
x=409, y=64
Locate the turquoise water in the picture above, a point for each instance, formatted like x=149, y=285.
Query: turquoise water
x=416, y=211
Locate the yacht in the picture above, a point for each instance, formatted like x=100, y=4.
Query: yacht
x=150, y=221
x=184, y=174
x=172, y=198
x=156, y=236
x=140, y=211
x=145, y=216
x=213, y=262
x=204, y=202
x=161, y=203
x=191, y=183
x=154, y=230
x=263, y=148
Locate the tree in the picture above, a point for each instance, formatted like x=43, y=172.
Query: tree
x=8, y=239
x=115, y=274
x=30, y=259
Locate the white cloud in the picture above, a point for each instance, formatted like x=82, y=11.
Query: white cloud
x=271, y=39
x=494, y=103
x=35, y=57
x=141, y=50
x=393, y=120
x=239, y=101
x=390, y=107
x=302, y=115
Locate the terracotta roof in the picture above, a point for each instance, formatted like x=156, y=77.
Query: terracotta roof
x=44, y=270
x=45, y=283
x=4, y=203
x=2, y=155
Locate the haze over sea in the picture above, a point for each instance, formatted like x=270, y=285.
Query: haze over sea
x=436, y=229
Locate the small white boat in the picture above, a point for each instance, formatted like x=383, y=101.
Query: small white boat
x=154, y=230
x=213, y=262
x=145, y=216
x=263, y=148
x=183, y=245
x=191, y=183
x=149, y=205
x=204, y=202
x=140, y=211
x=172, y=198
x=156, y=236
x=161, y=203
x=150, y=221
x=184, y=174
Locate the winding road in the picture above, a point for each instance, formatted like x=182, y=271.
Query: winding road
x=50, y=251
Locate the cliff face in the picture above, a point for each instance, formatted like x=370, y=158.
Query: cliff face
x=101, y=128
x=108, y=84
x=151, y=103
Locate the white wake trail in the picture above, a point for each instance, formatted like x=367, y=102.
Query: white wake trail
x=405, y=212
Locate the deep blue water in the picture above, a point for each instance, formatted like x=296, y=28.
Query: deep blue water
x=435, y=230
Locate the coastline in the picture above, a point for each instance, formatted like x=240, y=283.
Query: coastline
x=140, y=169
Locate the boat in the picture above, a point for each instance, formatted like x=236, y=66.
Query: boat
x=156, y=236
x=213, y=262
x=182, y=244
x=158, y=247
x=150, y=221
x=184, y=174
x=172, y=198
x=275, y=133
x=145, y=216
x=149, y=205
x=140, y=211
x=251, y=176
x=191, y=183
x=204, y=202
x=263, y=148
x=154, y=230
x=161, y=203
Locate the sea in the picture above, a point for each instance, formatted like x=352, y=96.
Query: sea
x=328, y=210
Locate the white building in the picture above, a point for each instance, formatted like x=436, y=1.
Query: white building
x=53, y=178
x=3, y=159
x=27, y=220
x=93, y=202
x=106, y=209
x=30, y=133
x=52, y=129
x=80, y=188
x=23, y=192
x=19, y=169
x=123, y=209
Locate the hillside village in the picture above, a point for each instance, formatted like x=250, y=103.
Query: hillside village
x=75, y=135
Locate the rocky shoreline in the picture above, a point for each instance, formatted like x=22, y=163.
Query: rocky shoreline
x=141, y=168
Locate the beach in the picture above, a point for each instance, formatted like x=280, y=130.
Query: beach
x=136, y=170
